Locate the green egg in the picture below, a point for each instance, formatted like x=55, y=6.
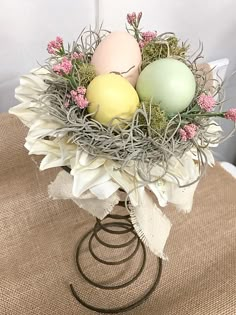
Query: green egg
x=167, y=82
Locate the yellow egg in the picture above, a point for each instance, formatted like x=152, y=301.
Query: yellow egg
x=111, y=95
x=118, y=52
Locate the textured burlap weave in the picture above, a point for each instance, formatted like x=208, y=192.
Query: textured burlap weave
x=38, y=237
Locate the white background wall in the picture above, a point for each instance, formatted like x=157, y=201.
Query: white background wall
x=27, y=25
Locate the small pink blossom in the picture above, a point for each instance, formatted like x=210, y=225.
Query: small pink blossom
x=79, y=98
x=75, y=55
x=188, y=132
x=55, y=45
x=131, y=18
x=50, y=49
x=59, y=40
x=57, y=68
x=183, y=134
x=206, y=102
x=141, y=44
x=148, y=36
x=67, y=103
x=139, y=16
x=81, y=90
x=64, y=67
x=231, y=114
x=81, y=101
x=73, y=93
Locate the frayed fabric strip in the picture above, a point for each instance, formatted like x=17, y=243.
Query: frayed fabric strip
x=151, y=225
x=61, y=188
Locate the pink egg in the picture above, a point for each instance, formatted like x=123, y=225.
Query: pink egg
x=118, y=52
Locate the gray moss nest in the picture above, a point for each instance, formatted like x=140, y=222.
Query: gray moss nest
x=152, y=137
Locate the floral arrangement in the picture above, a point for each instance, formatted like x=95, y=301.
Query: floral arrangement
x=130, y=114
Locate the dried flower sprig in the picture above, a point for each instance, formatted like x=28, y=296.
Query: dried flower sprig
x=229, y=114
x=188, y=132
x=78, y=96
x=152, y=45
x=56, y=46
x=133, y=20
x=206, y=102
x=71, y=69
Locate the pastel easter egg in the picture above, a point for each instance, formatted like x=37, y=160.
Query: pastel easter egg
x=118, y=52
x=109, y=96
x=168, y=82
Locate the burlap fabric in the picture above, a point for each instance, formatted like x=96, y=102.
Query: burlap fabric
x=38, y=237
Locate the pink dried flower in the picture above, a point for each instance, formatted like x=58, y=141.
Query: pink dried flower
x=79, y=98
x=50, y=49
x=148, y=36
x=81, y=101
x=64, y=67
x=183, y=134
x=73, y=93
x=81, y=90
x=57, y=69
x=131, y=18
x=188, y=132
x=55, y=45
x=59, y=40
x=75, y=55
x=141, y=44
x=191, y=130
x=67, y=103
x=206, y=102
x=231, y=114
x=139, y=16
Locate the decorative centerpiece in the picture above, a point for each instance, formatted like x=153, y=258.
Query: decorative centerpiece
x=129, y=115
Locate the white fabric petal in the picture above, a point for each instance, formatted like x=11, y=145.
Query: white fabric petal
x=50, y=160
x=187, y=173
x=209, y=156
x=32, y=85
x=44, y=126
x=96, y=207
x=182, y=198
x=127, y=183
x=181, y=171
x=159, y=190
x=25, y=112
x=151, y=225
x=85, y=161
x=58, y=191
x=104, y=190
x=86, y=179
x=57, y=153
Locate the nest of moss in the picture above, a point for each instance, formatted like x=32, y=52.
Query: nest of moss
x=152, y=137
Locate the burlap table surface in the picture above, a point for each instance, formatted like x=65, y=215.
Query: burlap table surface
x=38, y=237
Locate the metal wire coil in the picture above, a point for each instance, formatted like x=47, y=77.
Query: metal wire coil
x=120, y=225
